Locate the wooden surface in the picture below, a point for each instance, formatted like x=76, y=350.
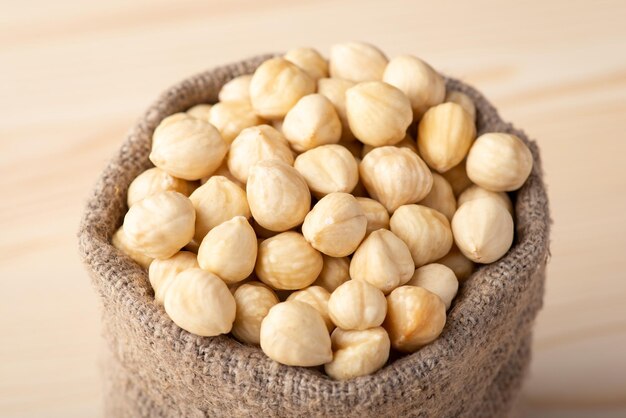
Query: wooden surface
x=76, y=74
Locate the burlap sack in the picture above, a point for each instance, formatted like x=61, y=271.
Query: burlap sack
x=155, y=369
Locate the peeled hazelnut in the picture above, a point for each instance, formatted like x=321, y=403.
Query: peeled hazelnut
x=357, y=305
x=160, y=225
x=288, y=262
x=278, y=195
x=438, y=279
x=357, y=61
x=334, y=89
x=294, y=333
x=163, y=272
x=258, y=143
x=483, y=230
x=441, y=197
x=311, y=61
x=120, y=241
x=407, y=142
x=229, y=250
x=216, y=201
x=378, y=113
x=313, y=121
x=415, y=318
x=230, y=118
x=155, y=180
x=376, y=214
x=395, y=176
x=423, y=86
x=335, y=272
x=199, y=302
x=462, y=100
x=476, y=192
x=328, y=169
x=424, y=230
x=499, y=162
x=357, y=353
x=317, y=297
x=445, y=134
x=187, y=148
x=336, y=225
x=382, y=260
x=276, y=86
x=457, y=177
x=460, y=265
x=254, y=300
x=236, y=90
x=200, y=111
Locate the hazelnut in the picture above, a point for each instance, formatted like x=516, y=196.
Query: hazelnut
x=163, y=272
x=230, y=118
x=457, y=177
x=357, y=61
x=200, y=111
x=328, y=169
x=335, y=272
x=254, y=300
x=294, y=333
x=313, y=121
x=311, y=61
x=278, y=195
x=441, y=197
x=357, y=353
x=287, y=262
x=334, y=89
x=476, y=192
x=155, y=180
x=499, y=162
x=121, y=242
x=462, y=100
x=357, y=305
x=236, y=90
x=438, y=279
x=317, y=297
x=376, y=214
x=382, y=260
x=336, y=225
x=395, y=176
x=460, y=265
x=424, y=230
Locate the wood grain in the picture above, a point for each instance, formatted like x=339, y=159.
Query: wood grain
x=75, y=75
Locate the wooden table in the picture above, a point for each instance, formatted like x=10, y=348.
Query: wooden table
x=76, y=74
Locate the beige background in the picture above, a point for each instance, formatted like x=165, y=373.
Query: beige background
x=76, y=74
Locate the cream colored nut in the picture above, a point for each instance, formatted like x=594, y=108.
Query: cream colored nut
x=163, y=272
x=476, y=192
x=276, y=87
x=444, y=136
x=328, y=169
x=499, y=162
x=357, y=61
x=317, y=297
x=335, y=272
x=483, y=230
x=312, y=122
x=155, y=180
x=200, y=111
x=255, y=144
x=424, y=230
x=415, y=317
x=334, y=89
x=358, y=353
x=294, y=333
x=395, y=176
x=121, y=242
x=229, y=250
x=160, y=225
x=236, y=90
x=382, y=260
x=378, y=113
x=423, y=86
x=230, y=118
x=457, y=177
x=376, y=214
x=441, y=197
x=438, y=279
x=223, y=170
x=311, y=61
x=336, y=225
x=199, y=302
x=357, y=305
x=187, y=148
x=216, y=201
x=407, y=142
x=460, y=265
x=254, y=300
x=278, y=195
x=462, y=100
x=288, y=262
